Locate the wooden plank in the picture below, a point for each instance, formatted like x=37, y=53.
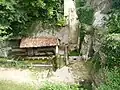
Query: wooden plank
x=20, y=54
x=18, y=50
x=44, y=49
x=37, y=58
x=41, y=65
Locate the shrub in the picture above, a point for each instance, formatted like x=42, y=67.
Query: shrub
x=112, y=81
x=9, y=85
x=58, y=86
x=111, y=48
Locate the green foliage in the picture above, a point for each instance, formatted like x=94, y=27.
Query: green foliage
x=116, y=4
x=9, y=85
x=85, y=12
x=74, y=53
x=61, y=22
x=112, y=81
x=114, y=22
x=85, y=15
x=80, y=3
x=55, y=86
x=111, y=48
x=4, y=62
x=17, y=15
x=82, y=32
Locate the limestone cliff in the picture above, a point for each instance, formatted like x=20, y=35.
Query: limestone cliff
x=91, y=42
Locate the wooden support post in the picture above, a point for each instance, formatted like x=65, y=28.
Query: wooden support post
x=66, y=54
x=57, y=50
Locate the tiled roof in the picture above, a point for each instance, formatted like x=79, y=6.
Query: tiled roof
x=38, y=42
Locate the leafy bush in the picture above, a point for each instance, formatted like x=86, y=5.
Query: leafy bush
x=4, y=62
x=111, y=49
x=16, y=16
x=112, y=81
x=9, y=85
x=58, y=86
x=114, y=21
x=85, y=12
x=74, y=53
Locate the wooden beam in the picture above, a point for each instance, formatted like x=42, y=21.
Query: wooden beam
x=41, y=65
x=37, y=57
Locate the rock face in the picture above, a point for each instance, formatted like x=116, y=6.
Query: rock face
x=102, y=8
x=4, y=49
x=72, y=22
x=87, y=44
x=91, y=42
x=102, y=5
x=99, y=19
x=39, y=30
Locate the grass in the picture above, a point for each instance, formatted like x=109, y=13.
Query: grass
x=74, y=53
x=4, y=62
x=36, y=61
x=9, y=85
x=13, y=64
x=58, y=86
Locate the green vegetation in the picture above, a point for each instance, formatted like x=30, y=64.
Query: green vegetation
x=42, y=61
x=111, y=49
x=112, y=82
x=9, y=85
x=74, y=53
x=111, y=45
x=16, y=16
x=59, y=86
x=23, y=64
x=4, y=62
x=107, y=58
x=85, y=12
x=86, y=16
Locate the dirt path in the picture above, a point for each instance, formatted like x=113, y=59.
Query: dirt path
x=35, y=78
x=20, y=76
x=64, y=74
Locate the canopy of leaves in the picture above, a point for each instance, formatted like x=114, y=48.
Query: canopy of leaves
x=17, y=15
x=85, y=12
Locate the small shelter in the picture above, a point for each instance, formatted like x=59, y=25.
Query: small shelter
x=40, y=46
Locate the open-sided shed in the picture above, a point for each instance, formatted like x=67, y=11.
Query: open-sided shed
x=40, y=46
